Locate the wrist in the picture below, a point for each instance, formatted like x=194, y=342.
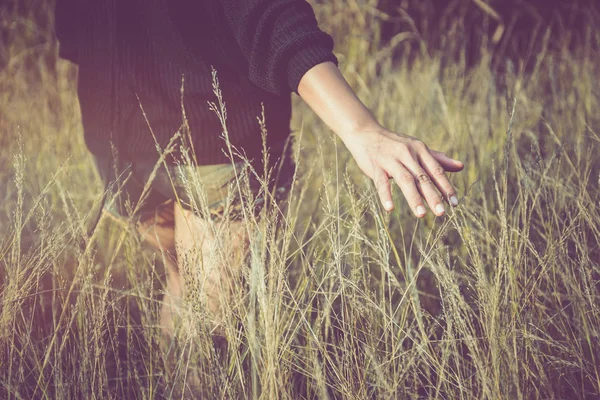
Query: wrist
x=360, y=129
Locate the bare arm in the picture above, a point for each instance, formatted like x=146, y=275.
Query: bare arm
x=381, y=154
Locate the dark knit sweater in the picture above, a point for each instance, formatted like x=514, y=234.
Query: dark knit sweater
x=140, y=49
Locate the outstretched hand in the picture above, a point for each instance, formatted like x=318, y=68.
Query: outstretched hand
x=419, y=171
x=381, y=154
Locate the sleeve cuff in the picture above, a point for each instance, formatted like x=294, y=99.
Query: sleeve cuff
x=304, y=60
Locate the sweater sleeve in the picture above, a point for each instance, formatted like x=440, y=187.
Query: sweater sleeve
x=280, y=39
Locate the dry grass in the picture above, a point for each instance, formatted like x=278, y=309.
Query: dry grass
x=499, y=299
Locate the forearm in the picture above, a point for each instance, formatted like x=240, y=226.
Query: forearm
x=326, y=91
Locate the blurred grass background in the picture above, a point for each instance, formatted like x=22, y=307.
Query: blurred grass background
x=499, y=299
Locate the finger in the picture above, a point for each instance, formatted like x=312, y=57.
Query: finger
x=426, y=186
x=438, y=175
x=382, y=183
x=407, y=184
x=449, y=164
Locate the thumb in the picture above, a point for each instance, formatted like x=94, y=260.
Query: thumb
x=448, y=163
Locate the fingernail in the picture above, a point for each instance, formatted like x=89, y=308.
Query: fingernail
x=389, y=205
x=454, y=201
x=439, y=208
x=420, y=210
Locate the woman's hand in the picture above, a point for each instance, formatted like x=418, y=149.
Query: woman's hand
x=380, y=153
x=419, y=172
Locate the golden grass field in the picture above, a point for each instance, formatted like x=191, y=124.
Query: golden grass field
x=500, y=299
